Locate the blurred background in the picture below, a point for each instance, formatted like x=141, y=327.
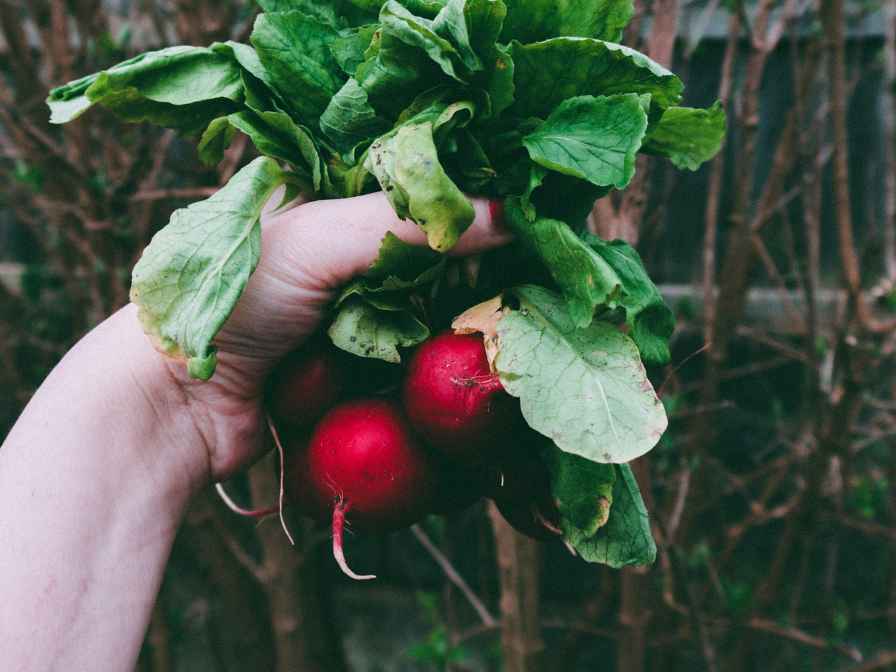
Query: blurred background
x=771, y=495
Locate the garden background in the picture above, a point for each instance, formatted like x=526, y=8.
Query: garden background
x=771, y=496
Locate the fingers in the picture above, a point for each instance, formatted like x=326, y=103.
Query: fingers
x=331, y=242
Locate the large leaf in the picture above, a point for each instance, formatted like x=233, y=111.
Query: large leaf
x=178, y=87
x=650, y=319
x=585, y=389
x=366, y=331
x=195, y=269
x=587, y=280
x=592, y=138
x=582, y=490
x=549, y=72
x=626, y=539
x=407, y=166
x=295, y=49
x=535, y=20
x=688, y=136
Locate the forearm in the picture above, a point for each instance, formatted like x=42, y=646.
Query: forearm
x=94, y=479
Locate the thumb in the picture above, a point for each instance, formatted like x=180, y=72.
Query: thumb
x=310, y=251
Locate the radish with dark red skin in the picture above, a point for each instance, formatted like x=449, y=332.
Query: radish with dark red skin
x=461, y=487
x=523, y=496
x=455, y=402
x=365, y=466
x=307, y=384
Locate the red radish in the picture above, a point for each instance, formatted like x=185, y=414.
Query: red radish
x=455, y=401
x=365, y=465
x=523, y=496
x=307, y=384
x=459, y=487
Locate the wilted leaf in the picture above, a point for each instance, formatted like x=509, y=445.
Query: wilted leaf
x=195, y=269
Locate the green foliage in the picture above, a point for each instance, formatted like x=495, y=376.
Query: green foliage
x=594, y=139
x=436, y=652
x=179, y=87
x=626, y=538
x=534, y=20
x=430, y=100
x=585, y=388
x=551, y=72
x=688, y=136
x=194, y=271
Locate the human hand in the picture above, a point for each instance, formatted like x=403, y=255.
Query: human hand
x=308, y=253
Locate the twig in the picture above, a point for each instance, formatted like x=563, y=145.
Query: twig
x=452, y=575
x=881, y=661
x=797, y=635
x=180, y=194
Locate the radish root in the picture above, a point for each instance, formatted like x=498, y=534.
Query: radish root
x=339, y=511
x=236, y=508
x=282, y=453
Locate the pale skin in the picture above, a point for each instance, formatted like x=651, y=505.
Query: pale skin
x=97, y=473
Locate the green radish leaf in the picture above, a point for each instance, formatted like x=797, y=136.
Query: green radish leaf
x=195, y=269
x=591, y=138
x=399, y=269
x=688, y=136
x=587, y=281
x=584, y=388
x=536, y=20
x=365, y=331
x=350, y=119
x=399, y=259
x=425, y=8
x=567, y=198
x=274, y=134
x=549, y=72
x=626, y=539
x=407, y=166
x=325, y=12
x=336, y=13
x=418, y=32
x=395, y=73
x=650, y=320
x=350, y=48
x=582, y=490
x=179, y=87
x=295, y=49
x=473, y=27
x=246, y=56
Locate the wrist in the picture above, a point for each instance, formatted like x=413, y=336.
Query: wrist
x=159, y=399
x=216, y=425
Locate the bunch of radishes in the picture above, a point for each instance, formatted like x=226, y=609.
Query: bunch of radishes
x=450, y=436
